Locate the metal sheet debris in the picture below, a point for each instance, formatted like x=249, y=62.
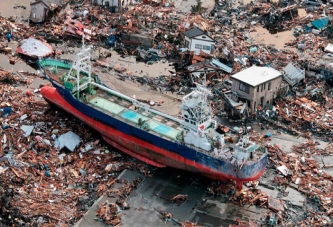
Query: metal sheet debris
x=70, y=140
x=27, y=129
x=34, y=48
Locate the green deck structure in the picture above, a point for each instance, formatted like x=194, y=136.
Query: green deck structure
x=106, y=105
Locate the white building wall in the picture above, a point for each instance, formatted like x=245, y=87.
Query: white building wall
x=188, y=40
x=118, y=3
x=106, y=2
x=201, y=43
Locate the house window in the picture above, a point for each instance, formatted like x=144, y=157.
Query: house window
x=198, y=46
x=258, y=89
x=206, y=47
x=269, y=86
x=244, y=87
x=262, y=87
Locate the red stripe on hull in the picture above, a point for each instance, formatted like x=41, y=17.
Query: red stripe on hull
x=123, y=149
x=138, y=148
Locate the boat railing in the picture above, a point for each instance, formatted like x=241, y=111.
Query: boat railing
x=212, y=154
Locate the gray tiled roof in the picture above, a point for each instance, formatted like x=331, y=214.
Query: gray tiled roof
x=194, y=32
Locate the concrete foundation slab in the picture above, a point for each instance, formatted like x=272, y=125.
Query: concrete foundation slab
x=294, y=197
x=154, y=194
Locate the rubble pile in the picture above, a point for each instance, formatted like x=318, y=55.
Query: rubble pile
x=179, y=199
x=310, y=41
x=43, y=184
x=305, y=111
x=109, y=213
x=18, y=77
x=241, y=223
x=157, y=22
x=299, y=171
x=305, y=175
x=248, y=196
x=19, y=29
x=124, y=190
x=164, y=26
x=166, y=216
x=309, y=147
x=190, y=224
x=279, y=19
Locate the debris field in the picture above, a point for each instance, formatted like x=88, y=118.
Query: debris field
x=53, y=168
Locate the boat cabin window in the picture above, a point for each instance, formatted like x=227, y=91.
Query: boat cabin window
x=186, y=120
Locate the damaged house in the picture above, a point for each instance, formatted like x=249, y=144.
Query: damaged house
x=256, y=86
x=41, y=10
x=196, y=40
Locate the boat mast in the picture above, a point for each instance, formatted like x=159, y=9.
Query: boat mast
x=81, y=64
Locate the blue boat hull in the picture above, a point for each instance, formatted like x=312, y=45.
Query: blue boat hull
x=148, y=147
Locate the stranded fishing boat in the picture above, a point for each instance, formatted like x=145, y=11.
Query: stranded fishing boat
x=194, y=143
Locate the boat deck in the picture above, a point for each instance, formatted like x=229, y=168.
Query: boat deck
x=125, y=111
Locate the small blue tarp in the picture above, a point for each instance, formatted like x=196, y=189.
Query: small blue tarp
x=6, y=111
x=320, y=23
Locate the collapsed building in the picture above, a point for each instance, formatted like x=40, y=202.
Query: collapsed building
x=44, y=10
